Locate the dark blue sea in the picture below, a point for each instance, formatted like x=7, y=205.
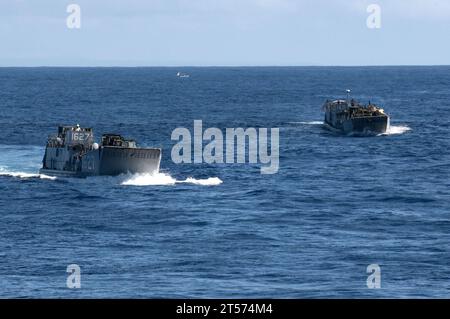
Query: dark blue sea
x=336, y=205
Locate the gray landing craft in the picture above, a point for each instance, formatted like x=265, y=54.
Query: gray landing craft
x=350, y=117
x=73, y=152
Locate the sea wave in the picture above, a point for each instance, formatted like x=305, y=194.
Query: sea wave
x=4, y=172
x=166, y=179
x=308, y=123
x=211, y=181
x=392, y=130
x=397, y=129
x=312, y=123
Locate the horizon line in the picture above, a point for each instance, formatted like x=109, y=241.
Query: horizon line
x=221, y=66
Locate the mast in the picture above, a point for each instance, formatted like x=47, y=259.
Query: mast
x=348, y=96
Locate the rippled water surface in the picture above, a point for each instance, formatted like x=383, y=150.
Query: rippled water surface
x=337, y=204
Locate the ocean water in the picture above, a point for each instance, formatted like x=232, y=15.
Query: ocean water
x=336, y=205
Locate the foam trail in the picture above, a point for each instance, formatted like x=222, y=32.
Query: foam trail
x=166, y=179
x=4, y=172
x=21, y=161
x=397, y=129
x=312, y=123
x=211, y=181
x=149, y=179
x=308, y=123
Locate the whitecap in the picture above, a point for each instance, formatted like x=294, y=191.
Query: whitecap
x=308, y=123
x=152, y=179
x=4, y=172
x=211, y=181
x=397, y=129
x=149, y=179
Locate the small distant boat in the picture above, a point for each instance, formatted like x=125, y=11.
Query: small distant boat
x=350, y=117
x=182, y=75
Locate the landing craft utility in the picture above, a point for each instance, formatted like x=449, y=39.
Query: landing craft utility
x=350, y=117
x=73, y=152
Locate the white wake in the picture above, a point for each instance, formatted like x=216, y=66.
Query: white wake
x=312, y=123
x=166, y=179
x=211, y=181
x=308, y=123
x=4, y=172
x=392, y=130
x=397, y=129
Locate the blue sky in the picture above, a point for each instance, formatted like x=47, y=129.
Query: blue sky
x=224, y=32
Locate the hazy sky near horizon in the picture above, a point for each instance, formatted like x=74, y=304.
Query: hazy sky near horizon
x=224, y=32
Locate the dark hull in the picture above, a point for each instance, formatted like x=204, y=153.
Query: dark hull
x=109, y=160
x=116, y=161
x=372, y=125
